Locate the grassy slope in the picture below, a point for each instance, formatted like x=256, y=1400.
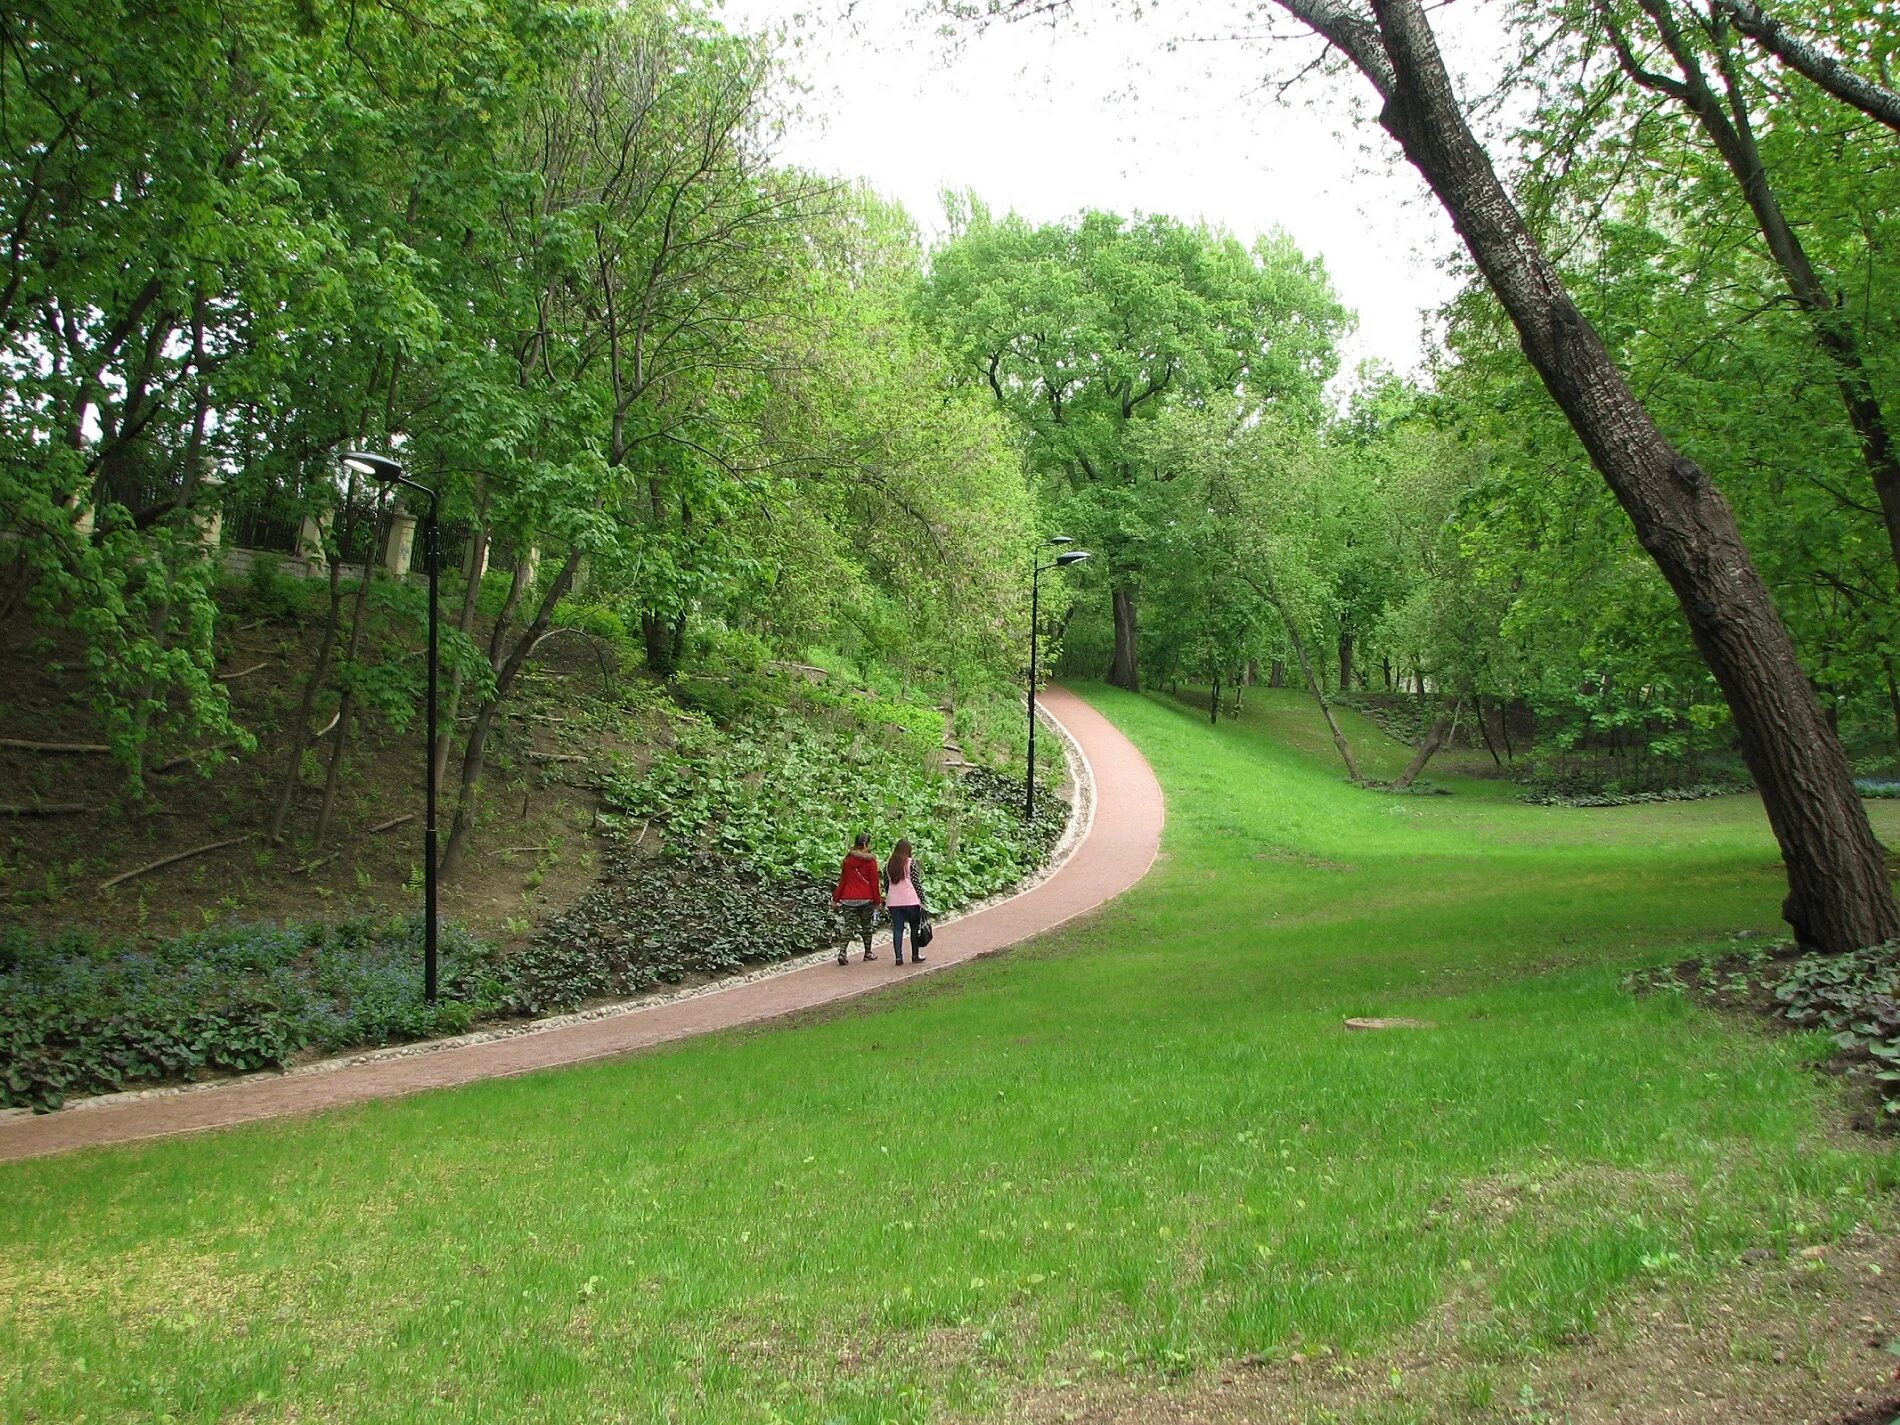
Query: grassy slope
x=1144, y=1141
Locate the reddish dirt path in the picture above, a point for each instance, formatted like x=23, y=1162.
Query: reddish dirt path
x=1117, y=851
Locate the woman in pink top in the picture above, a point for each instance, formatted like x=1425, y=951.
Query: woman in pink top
x=904, y=898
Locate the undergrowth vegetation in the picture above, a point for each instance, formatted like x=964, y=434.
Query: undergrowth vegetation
x=1854, y=999
x=82, y=1015
x=754, y=780
x=753, y=817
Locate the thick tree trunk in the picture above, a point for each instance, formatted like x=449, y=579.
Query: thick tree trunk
x=656, y=630
x=1893, y=697
x=1385, y=666
x=1345, y=660
x=1276, y=676
x=1124, y=668
x=1213, y=700
x=1838, y=897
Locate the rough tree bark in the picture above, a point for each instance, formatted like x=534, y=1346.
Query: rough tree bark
x=1874, y=100
x=1838, y=895
x=1124, y=667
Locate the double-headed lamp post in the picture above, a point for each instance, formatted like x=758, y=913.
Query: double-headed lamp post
x=386, y=471
x=1062, y=560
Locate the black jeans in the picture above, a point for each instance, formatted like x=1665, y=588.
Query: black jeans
x=901, y=916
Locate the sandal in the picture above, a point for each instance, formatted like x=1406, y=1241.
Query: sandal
x=869, y=957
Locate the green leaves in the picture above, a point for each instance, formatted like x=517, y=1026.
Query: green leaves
x=85, y=1016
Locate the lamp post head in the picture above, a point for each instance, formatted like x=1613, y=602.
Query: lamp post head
x=380, y=468
x=1072, y=556
x=1061, y=539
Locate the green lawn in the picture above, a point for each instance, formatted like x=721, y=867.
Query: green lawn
x=1142, y=1144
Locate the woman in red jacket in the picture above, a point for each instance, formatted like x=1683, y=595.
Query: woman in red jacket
x=859, y=893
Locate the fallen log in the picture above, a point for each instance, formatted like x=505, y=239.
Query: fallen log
x=47, y=809
x=173, y=859
x=21, y=745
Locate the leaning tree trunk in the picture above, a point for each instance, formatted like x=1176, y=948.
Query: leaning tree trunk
x=1124, y=668
x=346, y=708
x=475, y=754
x=1434, y=743
x=1838, y=894
x=314, y=683
x=465, y=622
x=1729, y=129
x=1270, y=591
x=1875, y=100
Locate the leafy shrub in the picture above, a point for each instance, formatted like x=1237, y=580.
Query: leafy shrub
x=725, y=700
x=591, y=618
x=268, y=592
x=1697, y=791
x=1856, y=999
x=1879, y=788
x=784, y=796
x=85, y=1015
x=1596, y=782
x=645, y=924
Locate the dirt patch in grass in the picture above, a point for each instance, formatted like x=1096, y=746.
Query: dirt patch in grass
x=1806, y=1339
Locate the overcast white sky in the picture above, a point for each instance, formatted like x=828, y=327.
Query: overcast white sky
x=1049, y=121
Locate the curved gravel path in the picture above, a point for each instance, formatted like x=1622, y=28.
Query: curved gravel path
x=1115, y=852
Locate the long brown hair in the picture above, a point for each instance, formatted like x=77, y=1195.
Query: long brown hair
x=900, y=856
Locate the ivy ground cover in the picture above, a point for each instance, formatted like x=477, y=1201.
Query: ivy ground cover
x=1137, y=1148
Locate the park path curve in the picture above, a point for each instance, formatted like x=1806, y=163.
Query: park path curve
x=1116, y=851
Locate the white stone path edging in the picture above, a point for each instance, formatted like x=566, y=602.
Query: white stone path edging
x=1081, y=778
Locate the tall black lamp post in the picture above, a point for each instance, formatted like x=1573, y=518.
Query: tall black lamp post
x=386, y=471
x=1062, y=560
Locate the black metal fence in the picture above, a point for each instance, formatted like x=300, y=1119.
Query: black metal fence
x=269, y=521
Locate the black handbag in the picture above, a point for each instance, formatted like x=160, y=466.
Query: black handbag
x=923, y=934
